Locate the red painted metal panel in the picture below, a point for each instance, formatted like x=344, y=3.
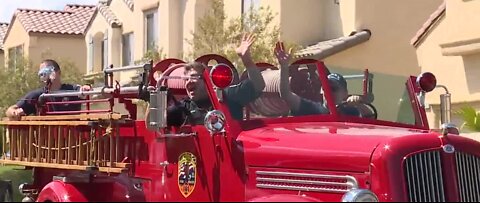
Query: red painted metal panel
x=371, y=151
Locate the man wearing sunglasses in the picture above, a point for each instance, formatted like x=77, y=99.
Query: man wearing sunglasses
x=193, y=109
x=50, y=75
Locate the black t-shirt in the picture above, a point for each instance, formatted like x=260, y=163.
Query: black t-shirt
x=190, y=112
x=29, y=102
x=308, y=107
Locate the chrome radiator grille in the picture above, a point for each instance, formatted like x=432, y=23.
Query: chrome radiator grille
x=305, y=182
x=468, y=177
x=423, y=173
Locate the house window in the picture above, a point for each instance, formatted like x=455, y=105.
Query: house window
x=250, y=4
x=151, y=30
x=15, y=55
x=127, y=49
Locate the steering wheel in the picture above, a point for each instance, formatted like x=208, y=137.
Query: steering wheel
x=360, y=109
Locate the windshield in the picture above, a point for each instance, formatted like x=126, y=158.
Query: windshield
x=306, y=91
x=387, y=93
x=349, y=94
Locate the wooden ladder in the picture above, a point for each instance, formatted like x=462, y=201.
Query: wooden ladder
x=72, y=142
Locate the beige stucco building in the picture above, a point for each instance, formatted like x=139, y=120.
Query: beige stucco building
x=448, y=45
x=40, y=34
x=122, y=31
x=375, y=34
x=167, y=24
x=105, y=35
x=391, y=22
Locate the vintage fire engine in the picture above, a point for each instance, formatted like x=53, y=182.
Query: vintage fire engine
x=385, y=153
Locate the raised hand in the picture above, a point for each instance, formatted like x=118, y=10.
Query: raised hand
x=244, y=48
x=86, y=88
x=18, y=112
x=354, y=99
x=282, y=56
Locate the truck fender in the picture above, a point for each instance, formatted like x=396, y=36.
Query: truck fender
x=285, y=198
x=58, y=191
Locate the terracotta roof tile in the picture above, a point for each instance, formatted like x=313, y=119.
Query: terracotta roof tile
x=74, y=19
x=129, y=3
x=3, y=31
x=106, y=12
x=432, y=20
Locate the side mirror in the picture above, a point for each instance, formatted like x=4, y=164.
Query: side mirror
x=215, y=122
x=157, y=117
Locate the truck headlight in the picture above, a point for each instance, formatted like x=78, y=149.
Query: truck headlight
x=358, y=195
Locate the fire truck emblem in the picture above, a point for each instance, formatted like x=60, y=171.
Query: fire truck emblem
x=450, y=149
x=187, y=173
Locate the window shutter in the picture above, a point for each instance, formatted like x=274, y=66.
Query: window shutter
x=91, y=55
x=105, y=50
x=156, y=31
x=131, y=48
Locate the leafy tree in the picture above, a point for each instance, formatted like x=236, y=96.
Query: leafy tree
x=155, y=54
x=471, y=118
x=21, y=77
x=70, y=72
x=212, y=38
x=18, y=79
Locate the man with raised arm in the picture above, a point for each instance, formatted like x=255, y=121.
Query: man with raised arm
x=193, y=109
x=301, y=106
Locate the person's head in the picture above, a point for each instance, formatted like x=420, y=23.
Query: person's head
x=195, y=85
x=49, y=64
x=338, y=85
x=305, y=82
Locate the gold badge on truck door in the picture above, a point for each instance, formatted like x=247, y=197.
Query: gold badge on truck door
x=187, y=173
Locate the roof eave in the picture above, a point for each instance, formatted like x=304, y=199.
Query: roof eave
x=130, y=4
x=431, y=22
x=89, y=25
x=10, y=25
x=417, y=42
x=79, y=35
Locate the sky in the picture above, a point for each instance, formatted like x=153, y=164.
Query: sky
x=8, y=7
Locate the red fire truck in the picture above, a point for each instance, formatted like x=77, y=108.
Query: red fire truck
x=385, y=153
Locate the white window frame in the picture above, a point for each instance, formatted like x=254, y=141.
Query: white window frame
x=155, y=28
x=14, y=51
x=246, y=5
x=129, y=46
